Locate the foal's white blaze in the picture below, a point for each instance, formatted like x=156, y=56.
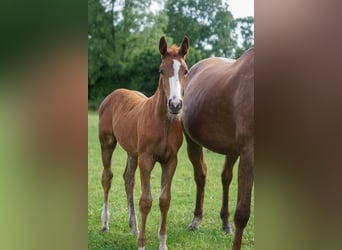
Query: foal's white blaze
x=175, y=87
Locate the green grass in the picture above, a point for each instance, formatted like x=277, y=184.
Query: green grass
x=209, y=235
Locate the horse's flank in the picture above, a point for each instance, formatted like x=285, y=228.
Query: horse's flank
x=214, y=89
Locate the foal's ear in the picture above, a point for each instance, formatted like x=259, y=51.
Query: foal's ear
x=162, y=46
x=184, y=48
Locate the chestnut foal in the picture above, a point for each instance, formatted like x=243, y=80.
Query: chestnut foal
x=149, y=130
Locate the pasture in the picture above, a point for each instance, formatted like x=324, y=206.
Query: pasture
x=209, y=235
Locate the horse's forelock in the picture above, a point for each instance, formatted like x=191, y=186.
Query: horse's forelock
x=173, y=50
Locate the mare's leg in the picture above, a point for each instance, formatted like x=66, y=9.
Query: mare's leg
x=226, y=178
x=195, y=154
x=245, y=183
x=108, y=143
x=129, y=177
x=168, y=170
x=146, y=163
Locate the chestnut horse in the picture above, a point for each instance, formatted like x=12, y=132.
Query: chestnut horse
x=218, y=114
x=150, y=131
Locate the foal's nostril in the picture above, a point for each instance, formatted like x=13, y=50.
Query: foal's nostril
x=180, y=104
x=170, y=103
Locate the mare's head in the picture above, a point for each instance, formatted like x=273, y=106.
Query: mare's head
x=172, y=73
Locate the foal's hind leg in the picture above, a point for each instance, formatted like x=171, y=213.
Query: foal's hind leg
x=108, y=143
x=129, y=177
x=226, y=178
x=245, y=183
x=195, y=153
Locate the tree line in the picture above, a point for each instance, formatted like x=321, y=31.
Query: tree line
x=123, y=38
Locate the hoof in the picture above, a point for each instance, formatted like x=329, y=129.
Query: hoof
x=228, y=229
x=132, y=222
x=194, y=224
x=134, y=230
x=105, y=229
x=191, y=227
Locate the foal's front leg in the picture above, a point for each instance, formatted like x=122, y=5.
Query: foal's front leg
x=146, y=164
x=168, y=170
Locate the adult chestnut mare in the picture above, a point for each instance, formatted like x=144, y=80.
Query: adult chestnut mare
x=218, y=113
x=150, y=131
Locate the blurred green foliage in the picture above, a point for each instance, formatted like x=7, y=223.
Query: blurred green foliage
x=123, y=40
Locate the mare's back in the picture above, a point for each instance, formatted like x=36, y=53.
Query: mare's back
x=210, y=103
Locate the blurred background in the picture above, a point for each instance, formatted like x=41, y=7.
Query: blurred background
x=46, y=48
x=123, y=38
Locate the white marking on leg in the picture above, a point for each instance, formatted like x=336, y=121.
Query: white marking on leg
x=162, y=241
x=141, y=248
x=194, y=223
x=132, y=219
x=175, y=86
x=105, y=217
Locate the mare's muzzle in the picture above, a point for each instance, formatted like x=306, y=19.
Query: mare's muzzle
x=175, y=106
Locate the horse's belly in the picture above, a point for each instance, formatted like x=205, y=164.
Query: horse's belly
x=213, y=140
x=211, y=129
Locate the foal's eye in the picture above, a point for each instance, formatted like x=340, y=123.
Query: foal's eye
x=161, y=71
x=186, y=71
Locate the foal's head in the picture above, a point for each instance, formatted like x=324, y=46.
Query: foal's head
x=172, y=73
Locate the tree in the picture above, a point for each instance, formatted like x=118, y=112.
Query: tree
x=123, y=39
x=142, y=72
x=243, y=27
x=207, y=23
x=101, y=51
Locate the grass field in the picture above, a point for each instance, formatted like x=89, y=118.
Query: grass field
x=209, y=235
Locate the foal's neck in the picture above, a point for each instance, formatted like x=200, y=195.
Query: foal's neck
x=160, y=102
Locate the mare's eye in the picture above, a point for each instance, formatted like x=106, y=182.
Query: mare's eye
x=161, y=71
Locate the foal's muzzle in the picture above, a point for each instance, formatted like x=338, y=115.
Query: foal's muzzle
x=175, y=106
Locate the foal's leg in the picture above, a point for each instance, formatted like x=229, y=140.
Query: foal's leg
x=146, y=164
x=108, y=143
x=195, y=154
x=226, y=178
x=245, y=183
x=129, y=177
x=168, y=170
